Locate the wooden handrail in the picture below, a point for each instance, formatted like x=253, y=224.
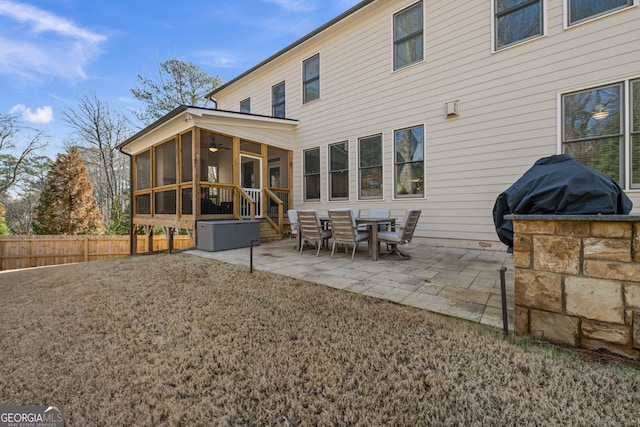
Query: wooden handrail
x=252, y=204
x=271, y=195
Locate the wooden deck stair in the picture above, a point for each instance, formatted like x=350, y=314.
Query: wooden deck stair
x=268, y=233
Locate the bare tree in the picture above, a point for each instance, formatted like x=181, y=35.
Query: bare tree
x=15, y=153
x=22, y=203
x=98, y=129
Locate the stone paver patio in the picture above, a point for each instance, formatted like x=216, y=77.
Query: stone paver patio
x=463, y=283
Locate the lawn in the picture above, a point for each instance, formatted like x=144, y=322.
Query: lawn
x=182, y=340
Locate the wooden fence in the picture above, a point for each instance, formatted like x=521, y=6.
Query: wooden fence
x=35, y=251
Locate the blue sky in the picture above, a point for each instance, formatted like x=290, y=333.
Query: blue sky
x=52, y=51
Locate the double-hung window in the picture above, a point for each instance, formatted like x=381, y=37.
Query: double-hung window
x=339, y=171
x=311, y=160
x=408, y=36
x=583, y=10
x=278, y=100
x=311, y=79
x=594, y=130
x=517, y=21
x=245, y=105
x=370, y=167
x=409, y=162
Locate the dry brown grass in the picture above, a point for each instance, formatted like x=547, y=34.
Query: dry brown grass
x=181, y=340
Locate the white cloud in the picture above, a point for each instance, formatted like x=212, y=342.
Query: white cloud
x=295, y=5
x=36, y=43
x=42, y=115
x=217, y=58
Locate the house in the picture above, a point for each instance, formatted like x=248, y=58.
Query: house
x=402, y=103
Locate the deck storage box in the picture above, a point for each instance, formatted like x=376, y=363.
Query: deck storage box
x=215, y=236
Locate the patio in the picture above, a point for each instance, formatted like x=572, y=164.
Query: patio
x=462, y=283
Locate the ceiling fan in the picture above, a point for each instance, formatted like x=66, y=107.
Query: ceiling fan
x=213, y=147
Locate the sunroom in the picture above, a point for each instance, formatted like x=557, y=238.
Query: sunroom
x=198, y=164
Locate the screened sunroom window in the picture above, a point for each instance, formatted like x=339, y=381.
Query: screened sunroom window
x=312, y=174
x=409, y=162
x=516, y=21
x=339, y=171
x=594, y=130
x=143, y=170
x=408, y=36
x=582, y=10
x=370, y=167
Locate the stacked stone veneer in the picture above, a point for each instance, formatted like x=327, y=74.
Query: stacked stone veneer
x=577, y=280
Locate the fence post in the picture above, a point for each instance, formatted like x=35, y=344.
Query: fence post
x=86, y=249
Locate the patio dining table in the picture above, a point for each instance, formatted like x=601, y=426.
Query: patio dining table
x=372, y=224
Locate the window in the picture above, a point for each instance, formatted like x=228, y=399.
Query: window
x=278, y=101
x=516, y=21
x=582, y=10
x=311, y=79
x=370, y=167
x=245, y=105
x=339, y=171
x=409, y=162
x=594, y=130
x=311, y=160
x=408, y=45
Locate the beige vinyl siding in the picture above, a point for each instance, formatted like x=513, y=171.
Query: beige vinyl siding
x=508, y=102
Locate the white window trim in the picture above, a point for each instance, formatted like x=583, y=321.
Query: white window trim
x=626, y=87
x=521, y=42
x=393, y=161
x=304, y=176
x=381, y=198
x=329, y=196
x=393, y=44
x=302, y=101
x=565, y=14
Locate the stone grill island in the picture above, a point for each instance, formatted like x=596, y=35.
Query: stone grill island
x=577, y=280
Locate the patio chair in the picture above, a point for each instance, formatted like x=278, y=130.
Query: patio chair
x=293, y=221
x=403, y=234
x=311, y=230
x=345, y=231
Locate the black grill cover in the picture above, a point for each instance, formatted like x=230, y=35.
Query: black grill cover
x=558, y=185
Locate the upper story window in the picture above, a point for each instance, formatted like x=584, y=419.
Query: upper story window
x=517, y=21
x=311, y=79
x=594, y=130
x=408, y=36
x=311, y=166
x=245, y=105
x=582, y=10
x=339, y=171
x=409, y=162
x=278, y=100
x=370, y=167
